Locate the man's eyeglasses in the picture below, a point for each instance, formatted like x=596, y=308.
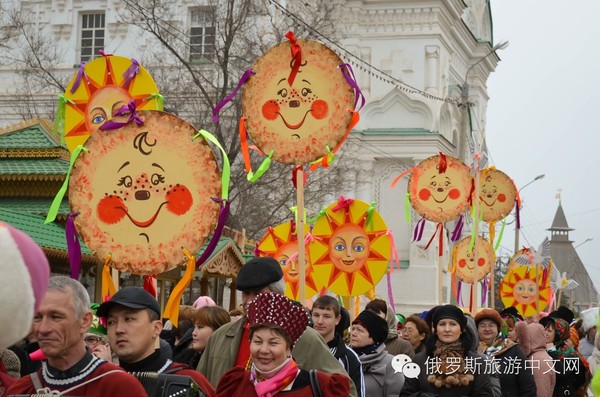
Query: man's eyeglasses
x=93, y=340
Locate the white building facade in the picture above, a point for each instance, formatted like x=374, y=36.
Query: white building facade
x=411, y=60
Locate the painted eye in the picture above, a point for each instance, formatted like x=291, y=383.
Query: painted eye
x=531, y=290
x=282, y=92
x=339, y=247
x=433, y=183
x=359, y=248
x=283, y=260
x=156, y=179
x=447, y=183
x=125, y=181
x=98, y=119
x=306, y=91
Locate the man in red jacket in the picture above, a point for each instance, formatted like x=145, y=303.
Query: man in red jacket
x=133, y=325
x=62, y=319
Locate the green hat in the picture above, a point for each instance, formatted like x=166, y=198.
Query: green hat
x=400, y=318
x=96, y=328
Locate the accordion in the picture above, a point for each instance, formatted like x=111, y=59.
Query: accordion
x=168, y=385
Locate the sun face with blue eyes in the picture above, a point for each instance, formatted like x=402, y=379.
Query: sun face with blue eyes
x=349, y=248
x=103, y=105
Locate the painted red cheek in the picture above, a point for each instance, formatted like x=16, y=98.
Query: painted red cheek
x=111, y=209
x=270, y=110
x=502, y=197
x=462, y=263
x=480, y=261
x=424, y=194
x=179, y=200
x=454, y=194
x=319, y=109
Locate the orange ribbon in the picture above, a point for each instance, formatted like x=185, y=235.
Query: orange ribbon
x=244, y=144
x=108, y=286
x=172, y=307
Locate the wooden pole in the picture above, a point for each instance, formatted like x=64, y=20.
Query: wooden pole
x=475, y=249
x=300, y=234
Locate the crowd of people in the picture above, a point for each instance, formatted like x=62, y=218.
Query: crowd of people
x=274, y=346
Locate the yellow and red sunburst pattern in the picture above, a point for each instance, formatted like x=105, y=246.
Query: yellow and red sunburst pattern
x=520, y=288
x=281, y=243
x=103, y=89
x=349, y=255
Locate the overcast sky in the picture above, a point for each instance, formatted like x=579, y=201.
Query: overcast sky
x=543, y=117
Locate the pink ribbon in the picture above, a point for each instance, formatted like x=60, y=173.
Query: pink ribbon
x=232, y=94
x=292, y=258
x=80, y=75
x=309, y=238
x=131, y=71
x=342, y=203
x=389, y=290
x=258, y=252
x=133, y=116
x=394, y=258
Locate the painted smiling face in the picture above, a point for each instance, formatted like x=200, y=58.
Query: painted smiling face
x=349, y=248
x=525, y=291
x=143, y=192
x=103, y=105
x=468, y=268
x=298, y=121
x=520, y=288
x=439, y=192
x=497, y=193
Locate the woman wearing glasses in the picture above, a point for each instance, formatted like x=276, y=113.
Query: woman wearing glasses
x=96, y=340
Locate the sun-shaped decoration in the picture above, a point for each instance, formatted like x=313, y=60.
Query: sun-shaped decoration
x=350, y=249
x=440, y=187
x=144, y=191
x=281, y=243
x=497, y=194
x=466, y=268
x=103, y=86
x=520, y=288
x=297, y=102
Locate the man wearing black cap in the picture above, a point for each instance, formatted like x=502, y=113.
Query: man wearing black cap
x=133, y=325
x=229, y=346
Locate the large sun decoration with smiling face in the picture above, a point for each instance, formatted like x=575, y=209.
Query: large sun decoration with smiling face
x=520, y=288
x=281, y=243
x=440, y=187
x=349, y=252
x=467, y=268
x=104, y=87
x=144, y=192
x=298, y=118
x=497, y=194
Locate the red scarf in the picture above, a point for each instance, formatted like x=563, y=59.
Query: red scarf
x=282, y=379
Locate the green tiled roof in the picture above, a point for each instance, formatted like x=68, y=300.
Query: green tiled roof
x=223, y=241
x=50, y=236
x=34, y=166
x=33, y=205
x=32, y=137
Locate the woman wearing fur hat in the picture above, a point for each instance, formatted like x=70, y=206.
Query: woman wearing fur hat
x=367, y=338
x=276, y=323
x=515, y=380
x=571, y=373
x=449, y=367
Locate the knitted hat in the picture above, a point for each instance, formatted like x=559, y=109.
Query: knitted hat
x=272, y=308
x=375, y=325
x=24, y=282
x=488, y=314
x=203, y=301
x=452, y=312
x=97, y=328
x=258, y=273
x=11, y=363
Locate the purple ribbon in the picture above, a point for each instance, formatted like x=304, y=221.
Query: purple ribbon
x=348, y=74
x=484, y=290
x=258, y=252
x=419, y=228
x=517, y=215
x=133, y=116
x=457, y=229
x=229, y=97
x=73, y=247
x=459, y=300
x=223, y=213
x=131, y=71
x=80, y=74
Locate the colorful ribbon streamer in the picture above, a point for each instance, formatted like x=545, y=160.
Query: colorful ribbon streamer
x=172, y=307
x=322, y=212
x=500, y=235
x=108, y=286
x=342, y=203
x=61, y=110
x=149, y=284
x=370, y=211
x=419, y=228
x=255, y=176
x=133, y=116
x=457, y=232
x=131, y=72
x=53, y=210
x=159, y=101
x=73, y=246
x=226, y=172
x=232, y=94
x=210, y=248
x=80, y=75
x=326, y=161
x=296, y=51
x=348, y=74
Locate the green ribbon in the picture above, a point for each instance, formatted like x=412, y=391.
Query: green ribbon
x=473, y=235
x=226, y=175
x=255, y=176
x=500, y=235
x=59, y=122
x=370, y=215
x=53, y=211
x=407, y=207
x=158, y=99
x=322, y=212
x=295, y=211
